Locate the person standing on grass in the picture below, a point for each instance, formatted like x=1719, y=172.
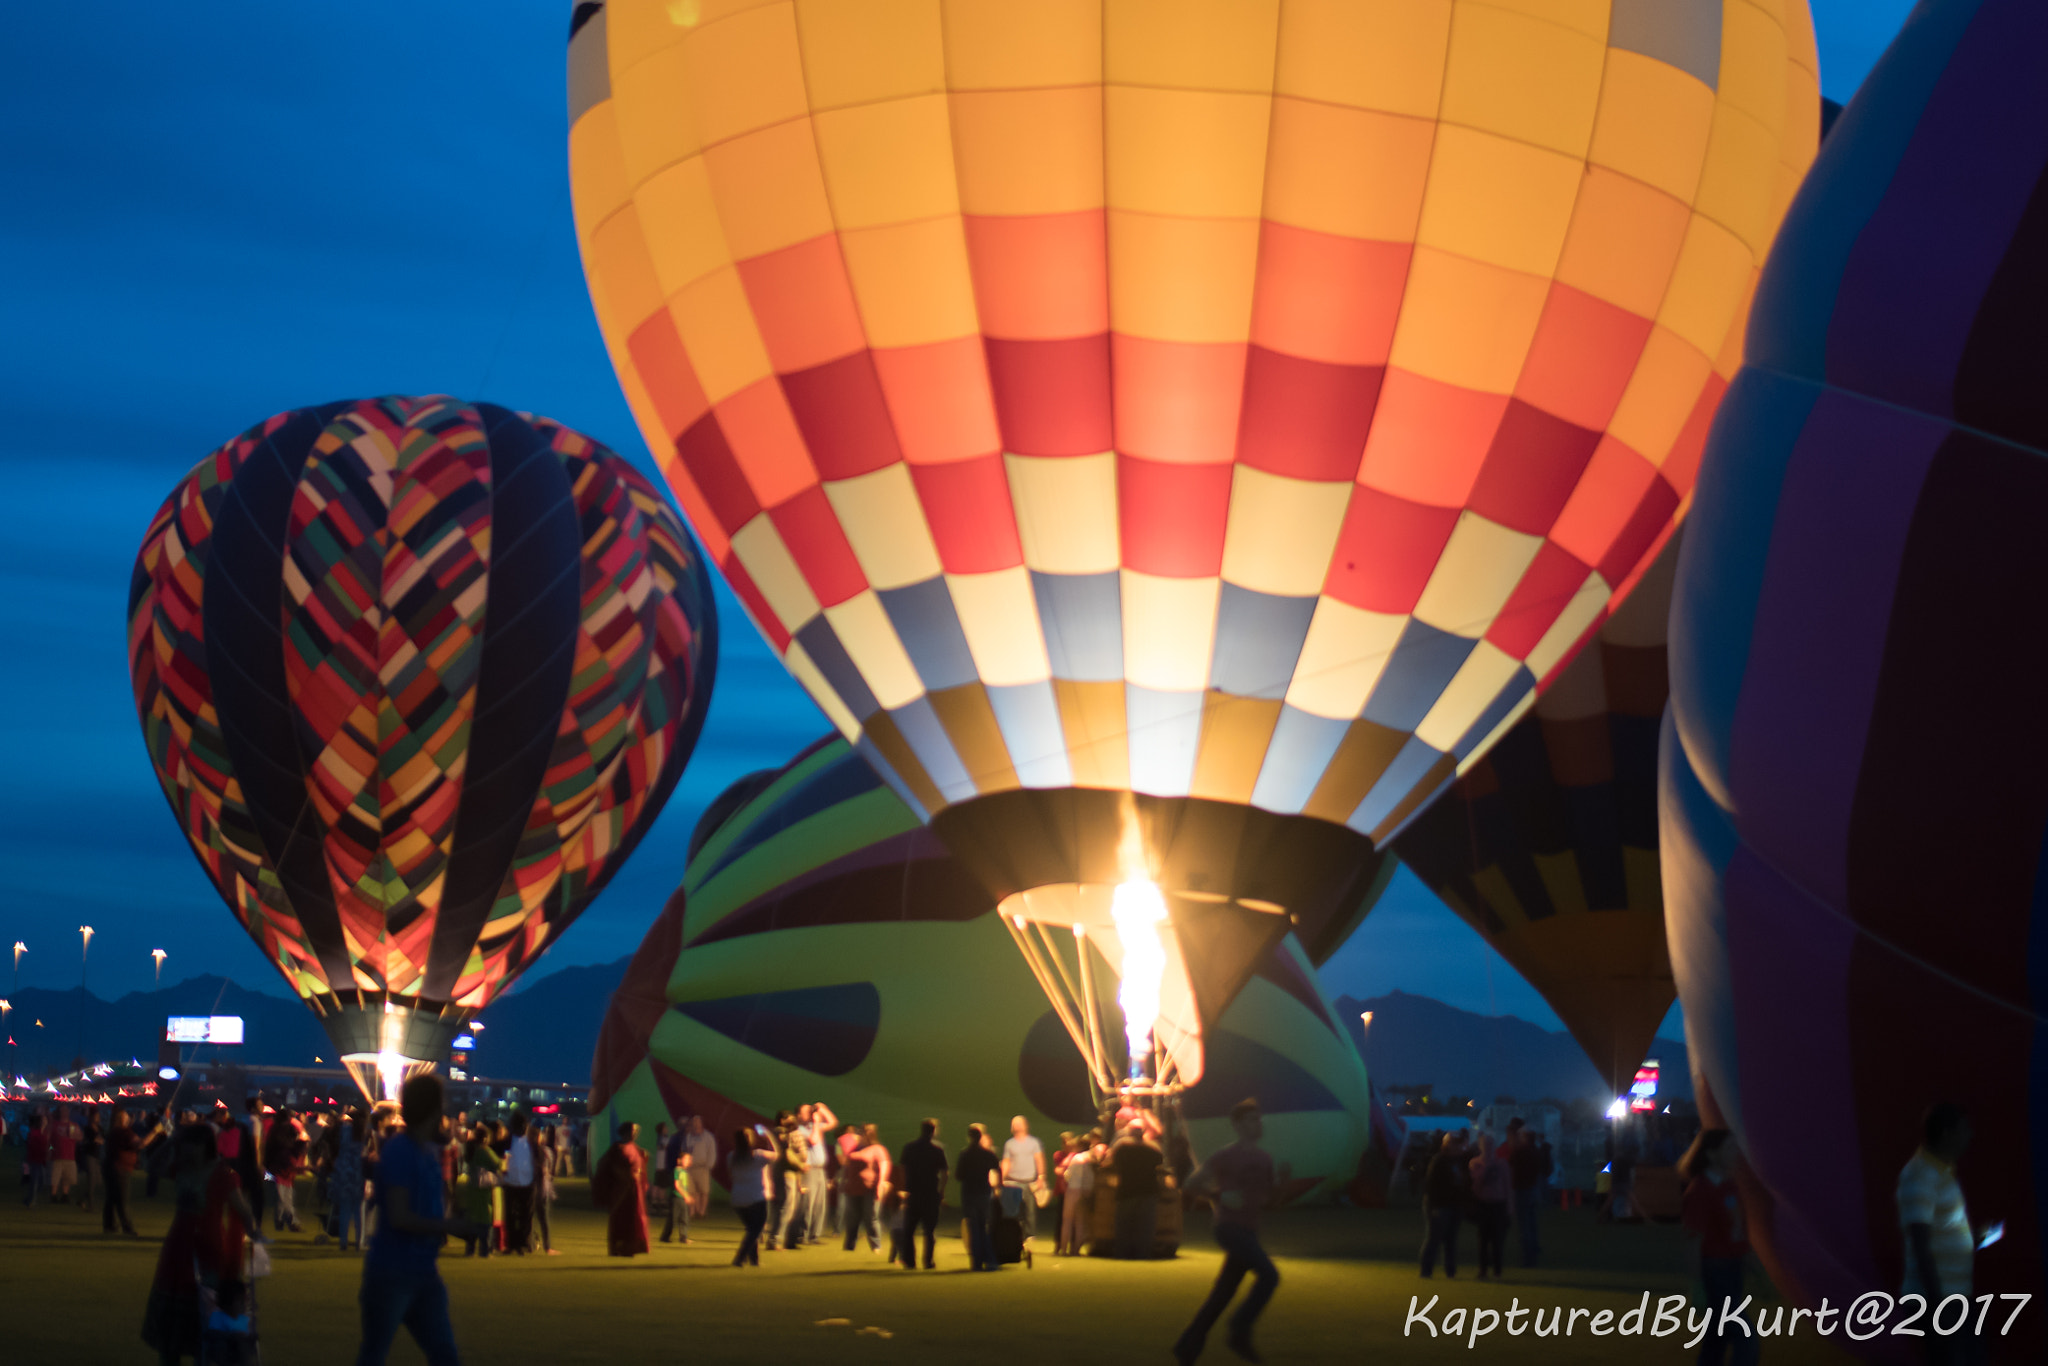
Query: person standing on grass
x=1136, y=1160
x=546, y=1152
x=345, y=1180
x=1077, y=1205
x=921, y=1167
x=64, y=1136
x=1446, y=1188
x=751, y=1172
x=1941, y=1242
x=519, y=1178
x=863, y=1180
x=35, y=1173
x=668, y=1159
x=791, y=1163
x=977, y=1171
x=89, y=1150
x=1023, y=1170
x=1525, y=1170
x=817, y=1122
x=121, y=1151
x=1492, y=1185
x=1713, y=1214
x=1240, y=1177
x=283, y=1147
x=401, y=1272
x=204, y=1242
x=619, y=1184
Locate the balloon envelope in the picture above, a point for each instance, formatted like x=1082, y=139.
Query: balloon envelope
x=416, y=676
x=824, y=945
x=1853, y=811
x=1548, y=845
x=1212, y=420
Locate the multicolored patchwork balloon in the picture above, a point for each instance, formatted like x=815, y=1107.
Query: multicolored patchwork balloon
x=1195, y=427
x=824, y=946
x=1548, y=845
x=416, y=675
x=1855, y=821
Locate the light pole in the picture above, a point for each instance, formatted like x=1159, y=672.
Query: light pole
x=19, y=949
x=159, y=955
x=84, y=992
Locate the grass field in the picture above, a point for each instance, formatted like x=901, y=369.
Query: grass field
x=69, y=1296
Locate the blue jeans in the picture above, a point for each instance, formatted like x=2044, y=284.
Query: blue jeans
x=416, y=1299
x=974, y=1207
x=1242, y=1255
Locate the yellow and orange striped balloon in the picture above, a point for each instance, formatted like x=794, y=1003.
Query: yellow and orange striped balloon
x=1243, y=400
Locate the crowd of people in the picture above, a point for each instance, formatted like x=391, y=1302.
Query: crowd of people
x=808, y=1177
x=1495, y=1185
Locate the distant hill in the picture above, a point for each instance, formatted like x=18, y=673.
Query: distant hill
x=1419, y=1039
x=76, y=1023
x=547, y=1031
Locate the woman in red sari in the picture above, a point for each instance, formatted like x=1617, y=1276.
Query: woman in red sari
x=204, y=1244
x=620, y=1185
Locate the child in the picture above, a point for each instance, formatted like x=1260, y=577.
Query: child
x=893, y=1213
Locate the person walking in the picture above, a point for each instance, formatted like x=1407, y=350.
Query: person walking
x=1525, y=1171
x=1240, y=1178
x=619, y=1184
x=977, y=1170
x=401, y=1273
x=123, y=1148
x=64, y=1136
x=1023, y=1170
x=921, y=1168
x=1135, y=1161
x=244, y=1149
x=1492, y=1185
x=1446, y=1190
x=863, y=1179
x=751, y=1171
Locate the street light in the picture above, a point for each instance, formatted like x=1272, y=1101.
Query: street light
x=159, y=955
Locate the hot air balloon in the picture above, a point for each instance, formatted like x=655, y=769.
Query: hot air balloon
x=416, y=675
x=823, y=944
x=1171, y=439
x=1853, y=810
x=1548, y=845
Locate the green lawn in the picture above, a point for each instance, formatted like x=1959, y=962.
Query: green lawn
x=69, y=1296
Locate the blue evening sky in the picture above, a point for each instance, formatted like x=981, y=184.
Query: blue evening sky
x=214, y=214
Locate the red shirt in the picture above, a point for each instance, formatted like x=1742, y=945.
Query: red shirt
x=1710, y=1209
x=38, y=1147
x=64, y=1142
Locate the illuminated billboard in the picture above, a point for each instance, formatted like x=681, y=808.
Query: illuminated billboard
x=204, y=1029
x=1642, y=1092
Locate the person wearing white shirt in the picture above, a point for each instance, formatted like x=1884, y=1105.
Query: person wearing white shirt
x=517, y=1183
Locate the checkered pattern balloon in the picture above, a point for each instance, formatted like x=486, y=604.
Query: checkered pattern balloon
x=416, y=675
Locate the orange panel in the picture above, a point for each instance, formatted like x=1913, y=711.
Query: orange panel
x=803, y=304
x=1041, y=277
x=1177, y=401
x=1328, y=298
x=939, y=400
x=1182, y=279
x=1429, y=439
x=771, y=192
x=763, y=435
x=1347, y=171
x=1028, y=151
x=912, y=281
x=1623, y=241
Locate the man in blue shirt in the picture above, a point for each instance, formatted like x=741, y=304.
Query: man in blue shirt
x=401, y=1272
